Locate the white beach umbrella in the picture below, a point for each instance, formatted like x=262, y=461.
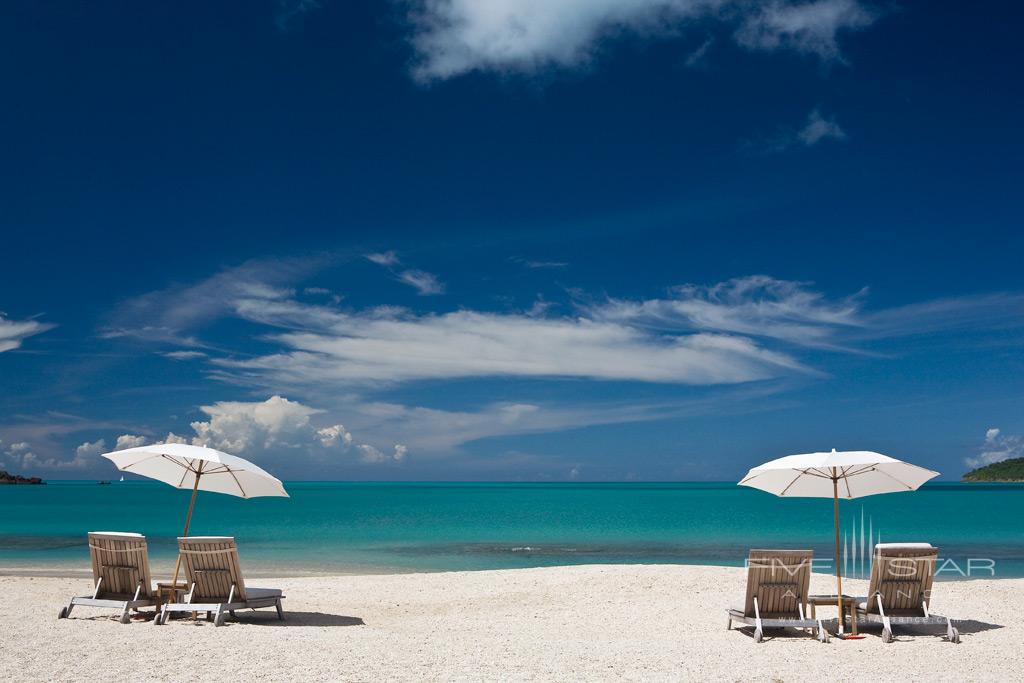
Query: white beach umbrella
x=835, y=475
x=198, y=468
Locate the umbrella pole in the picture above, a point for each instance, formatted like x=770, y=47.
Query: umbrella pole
x=839, y=577
x=188, y=520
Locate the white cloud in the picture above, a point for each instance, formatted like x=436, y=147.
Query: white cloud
x=269, y=428
x=184, y=355
x=453, y=37
x=334, y=435
x=14, y=332
x=168, y=315
x=809, y=27
x=741, y=330
x=383, y=258
x=399, y=347
x=237, y=426
x=433, y=431
x=756, y=305
x=374, y=455
x=815, y=129
x=91, y=449
x=819, y=128
x=529, y=263
x=997, y=448
x=129, y=441
x=21, y=458
x=423, y=282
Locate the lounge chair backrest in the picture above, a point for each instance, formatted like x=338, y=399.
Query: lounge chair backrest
x=902, y=574
x=121, y=560
x=779, y=579
x=211, y=565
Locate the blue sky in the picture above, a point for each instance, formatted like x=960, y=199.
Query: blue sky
x=658, y=239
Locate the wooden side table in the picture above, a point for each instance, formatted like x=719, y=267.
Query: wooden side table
x=849, y=602
x=168, y=592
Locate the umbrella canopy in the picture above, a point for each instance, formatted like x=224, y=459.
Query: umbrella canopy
x=857, y=473
x=198, y=468
x=182, y=466
x=835, y=475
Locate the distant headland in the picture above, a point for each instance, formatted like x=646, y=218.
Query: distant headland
x=6, y=478
x=1007, y=470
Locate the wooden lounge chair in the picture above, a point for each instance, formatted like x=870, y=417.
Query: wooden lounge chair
x=120, y=574
x=214, y=579
x=777, y=585
x=900, y=589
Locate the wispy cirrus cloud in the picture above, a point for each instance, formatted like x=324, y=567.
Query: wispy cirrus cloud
x=808, y=27
x=394, y=345
x=14, y=332
x=454, y=37
x=755, y=306
x=425, y=284
x=746, y=329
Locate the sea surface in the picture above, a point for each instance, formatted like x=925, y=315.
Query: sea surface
x=343, y=527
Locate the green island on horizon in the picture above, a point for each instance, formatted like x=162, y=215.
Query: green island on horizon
x=1006, y=471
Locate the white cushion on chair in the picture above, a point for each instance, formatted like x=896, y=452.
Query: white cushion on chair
x=897, y=546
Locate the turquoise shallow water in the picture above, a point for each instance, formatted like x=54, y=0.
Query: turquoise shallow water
x=337, y=527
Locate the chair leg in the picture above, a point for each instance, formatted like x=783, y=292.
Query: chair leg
x=125, y=619
x=728, y=624
x=280, y=611
x=951, y=632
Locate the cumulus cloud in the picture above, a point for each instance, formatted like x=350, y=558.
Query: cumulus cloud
x=91, y=449
x=129, y=441
x=997, y=448
x=374, y=455
x=237, y=426
x=264, y=428
x=454, y=37
x=334, y=435
x=14, y=332
x=20, y=457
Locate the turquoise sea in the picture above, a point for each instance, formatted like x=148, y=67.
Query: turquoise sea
x=341, y=527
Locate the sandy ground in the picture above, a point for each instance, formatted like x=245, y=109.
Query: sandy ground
x=565, y=623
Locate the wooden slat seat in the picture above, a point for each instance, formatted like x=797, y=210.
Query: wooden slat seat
x=900, y=588
x=777, y=585
x=120, y=574
x=214, y=576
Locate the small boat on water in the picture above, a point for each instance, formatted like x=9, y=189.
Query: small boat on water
x=103, y=483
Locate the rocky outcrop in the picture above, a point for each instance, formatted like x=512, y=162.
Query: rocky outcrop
x=6, y=478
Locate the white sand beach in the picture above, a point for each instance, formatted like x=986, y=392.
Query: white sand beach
x=663, y=622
